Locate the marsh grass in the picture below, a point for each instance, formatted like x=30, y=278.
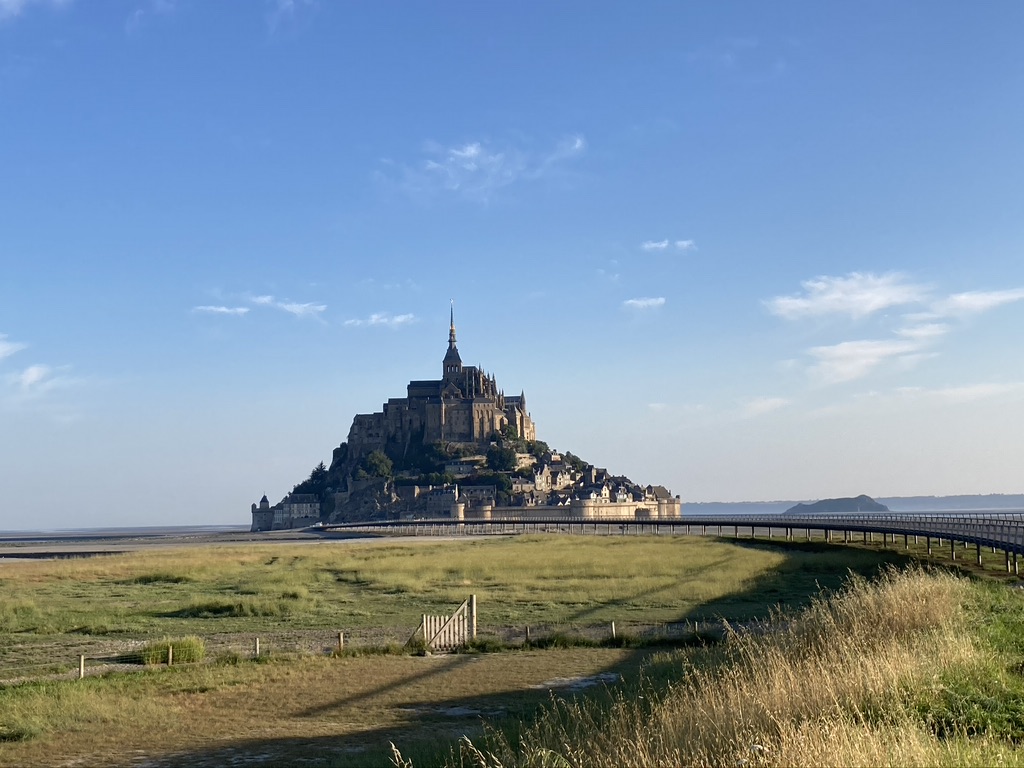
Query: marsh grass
x=530, y=580
x=187, y=650
x=880, y=674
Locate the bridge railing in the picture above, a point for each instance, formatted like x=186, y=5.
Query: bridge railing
x=1003, y=530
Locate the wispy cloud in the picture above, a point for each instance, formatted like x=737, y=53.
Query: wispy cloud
x=299, y=309
x=212, y=310
x=476, y=170
x=664, y=245
x=145, y=12
x=11, y=8
x=383, y=319
x=963, y=394
x=976, y=302
x=644, y=303
x=851, y=360
x=8, y=348
x=914, y=332
x=761, y=405
x=283, y=13
x=305, y=309
x=856, y=295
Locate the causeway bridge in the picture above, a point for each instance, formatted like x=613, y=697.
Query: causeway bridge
x=999, y=530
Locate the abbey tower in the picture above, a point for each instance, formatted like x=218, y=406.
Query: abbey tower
x=465, y=406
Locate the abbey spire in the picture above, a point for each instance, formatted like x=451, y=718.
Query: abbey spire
x=452, y=365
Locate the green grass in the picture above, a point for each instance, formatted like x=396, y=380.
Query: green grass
x=558, y=585
x=915, y=669
x=186, y=650
x=549, y=580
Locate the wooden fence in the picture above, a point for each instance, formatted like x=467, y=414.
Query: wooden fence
x=446, y=633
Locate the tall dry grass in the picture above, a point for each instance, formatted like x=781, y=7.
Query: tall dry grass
x=832, y=685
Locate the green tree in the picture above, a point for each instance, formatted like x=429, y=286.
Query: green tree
x=501, y=458
x=316, y=483
x=377, y=464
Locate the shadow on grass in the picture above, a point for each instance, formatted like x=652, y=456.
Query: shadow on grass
x=809, y=568
x=432, y=728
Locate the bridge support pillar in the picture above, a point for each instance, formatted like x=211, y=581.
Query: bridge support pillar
x=1015, y=571
x=1007, y=561
x=978, y=552
x=846, y=537
x=928, y=543
x=952, y=549
x=906, y=543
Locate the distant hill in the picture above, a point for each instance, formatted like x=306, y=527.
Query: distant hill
x=963, y=503
x=860, y=503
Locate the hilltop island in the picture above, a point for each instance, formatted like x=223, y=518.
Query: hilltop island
x=860, y=503
x=456, y=447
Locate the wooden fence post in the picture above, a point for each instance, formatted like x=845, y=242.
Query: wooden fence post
x=527, y=634
x=170, y=655
x=472, y=616
x=81, y=667
x=341, y=642
x=613, y=630
x=256, y=648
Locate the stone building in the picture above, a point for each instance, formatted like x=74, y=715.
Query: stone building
x=465, y=406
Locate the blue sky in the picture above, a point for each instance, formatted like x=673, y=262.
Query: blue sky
x=746, y=250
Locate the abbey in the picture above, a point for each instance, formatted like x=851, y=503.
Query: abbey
x=465, y=406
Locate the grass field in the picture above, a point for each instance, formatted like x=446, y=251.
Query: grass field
x=316, y=710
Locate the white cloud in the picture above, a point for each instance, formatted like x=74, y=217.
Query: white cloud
x=478, y=169
x=11, y=8
x=238, y=311
x=963, y=394
x=8, y=348
x=32, y=382
x=644, y=303
x=383, y=318
x=32, y=376
x=851, y=360
x=924, y=331
x=306, y=309
x=657, y=406
x=975, y=302
x=299, y=309
x=761, y=405
x=655, y=245
x=856, y=294
x=686, y=245
x=284, y=12
x=144, y=12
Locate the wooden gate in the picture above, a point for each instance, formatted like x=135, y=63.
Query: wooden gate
x=446, y=633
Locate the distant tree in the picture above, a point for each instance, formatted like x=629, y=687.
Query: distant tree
x=509, y=431
x=377, y=464
x=537, y=448
x=574, y=461
x=316, y=483
x=501, y=458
